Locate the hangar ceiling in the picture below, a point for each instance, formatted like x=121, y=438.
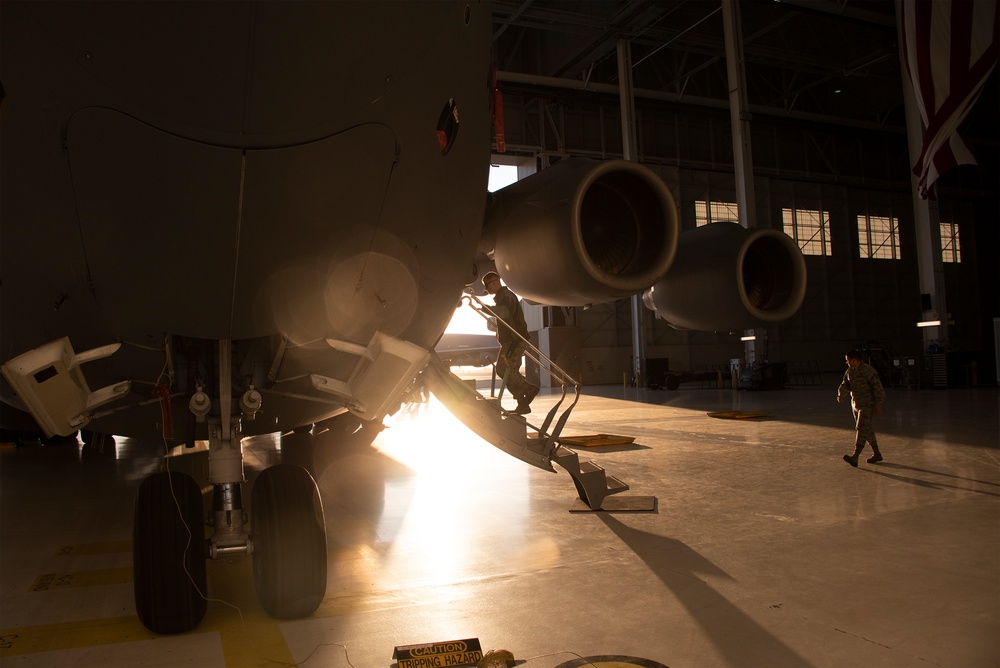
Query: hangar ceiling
x=816, y=60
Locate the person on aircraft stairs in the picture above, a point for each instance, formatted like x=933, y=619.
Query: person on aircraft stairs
x=508, y=311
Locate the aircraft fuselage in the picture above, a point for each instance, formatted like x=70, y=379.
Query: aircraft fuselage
x=271, y=174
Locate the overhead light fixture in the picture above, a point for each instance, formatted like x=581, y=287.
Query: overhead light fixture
x=748, y=338
x=929, y=323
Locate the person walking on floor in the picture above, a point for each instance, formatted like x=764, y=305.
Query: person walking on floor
x=861, y=381
x=510, y=319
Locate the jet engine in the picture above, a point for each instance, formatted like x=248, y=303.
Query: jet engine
x=727, y=277
x=582, y=232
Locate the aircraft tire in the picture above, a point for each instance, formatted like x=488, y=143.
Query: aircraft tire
x=169, y=553
x=289, y=557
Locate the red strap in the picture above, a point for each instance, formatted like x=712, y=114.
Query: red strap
x=162, y=391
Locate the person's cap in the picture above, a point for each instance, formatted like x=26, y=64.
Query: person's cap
x=489, y=276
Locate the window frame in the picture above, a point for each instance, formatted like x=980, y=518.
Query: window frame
x=792, y=226
x=872, y=248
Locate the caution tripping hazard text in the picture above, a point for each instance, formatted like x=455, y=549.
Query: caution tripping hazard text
x=439, y=654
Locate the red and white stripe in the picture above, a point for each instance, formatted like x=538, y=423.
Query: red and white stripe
x=949, y=49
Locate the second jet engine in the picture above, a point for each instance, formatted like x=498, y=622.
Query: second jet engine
x=726, y=277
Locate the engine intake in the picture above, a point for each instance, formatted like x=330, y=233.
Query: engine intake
x=582, y=232
x=727, y=277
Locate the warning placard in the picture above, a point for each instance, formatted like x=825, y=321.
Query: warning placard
x=466, y=652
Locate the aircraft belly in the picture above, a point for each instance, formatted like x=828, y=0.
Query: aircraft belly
x=318, y=257
x=158, y=219
x=182, y=237
x=238, y=171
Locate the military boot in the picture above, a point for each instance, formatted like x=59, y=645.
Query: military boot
x=853, y=459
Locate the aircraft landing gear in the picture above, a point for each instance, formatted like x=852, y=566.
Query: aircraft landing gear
x=289, y=542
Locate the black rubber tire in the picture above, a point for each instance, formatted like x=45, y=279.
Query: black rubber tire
x=168, y=553
x=289, y=542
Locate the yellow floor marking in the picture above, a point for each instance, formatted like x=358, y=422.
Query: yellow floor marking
x=611, y=662
x=737, y=415
x=246, y=641
x=595, y=440
x=103, y=576
x=110, y=547
x=250, y=640
x=71, y=635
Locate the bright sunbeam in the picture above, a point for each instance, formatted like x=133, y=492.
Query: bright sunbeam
x=466, y=321
x=462, y=492
x=433, y=443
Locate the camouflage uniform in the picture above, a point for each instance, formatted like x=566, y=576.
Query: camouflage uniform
x=507, y=307
x=865, y=388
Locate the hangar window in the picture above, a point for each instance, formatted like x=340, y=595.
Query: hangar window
x=501, y=176
x=810, y=229
x=951, y=249
x=715, y=212
x=878, y=237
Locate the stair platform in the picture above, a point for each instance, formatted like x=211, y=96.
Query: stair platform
x=514, y=435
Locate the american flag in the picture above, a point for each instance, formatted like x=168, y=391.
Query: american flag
x=949, y=49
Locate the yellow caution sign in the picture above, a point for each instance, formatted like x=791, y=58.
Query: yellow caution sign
x=466, y=652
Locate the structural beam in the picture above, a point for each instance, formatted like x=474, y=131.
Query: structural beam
x=626, y=99
x=739, y=117
x=926, y=219
x=739, y=114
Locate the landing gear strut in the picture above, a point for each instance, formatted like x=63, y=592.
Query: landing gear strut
x=289, y=542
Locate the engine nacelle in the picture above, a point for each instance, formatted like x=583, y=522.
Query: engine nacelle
x=582, y=232
x=727, y=277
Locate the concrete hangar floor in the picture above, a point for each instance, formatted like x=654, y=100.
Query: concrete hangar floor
x=764, y=548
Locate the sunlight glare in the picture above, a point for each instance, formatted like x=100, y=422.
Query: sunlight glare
x=461, y=487
x=466, y=321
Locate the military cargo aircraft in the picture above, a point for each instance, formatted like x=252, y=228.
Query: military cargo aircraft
x=224, y=219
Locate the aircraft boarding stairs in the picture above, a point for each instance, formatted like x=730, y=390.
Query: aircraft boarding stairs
x=535, y=445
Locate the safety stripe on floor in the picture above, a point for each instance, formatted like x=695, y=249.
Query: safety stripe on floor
x=614, y=661
x=245, y=631
x=111, y=547
x=94, y=578
x=71, y=635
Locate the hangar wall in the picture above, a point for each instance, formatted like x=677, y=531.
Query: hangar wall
x=845, y=171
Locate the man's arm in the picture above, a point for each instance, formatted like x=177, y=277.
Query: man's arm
x=501, y=305
x=844, y=389
x=878, y=392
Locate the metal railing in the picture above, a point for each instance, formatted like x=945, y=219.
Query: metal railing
x=561, y=376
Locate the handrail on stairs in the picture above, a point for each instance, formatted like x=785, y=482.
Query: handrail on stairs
x=507, y=430
x=560, y=375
